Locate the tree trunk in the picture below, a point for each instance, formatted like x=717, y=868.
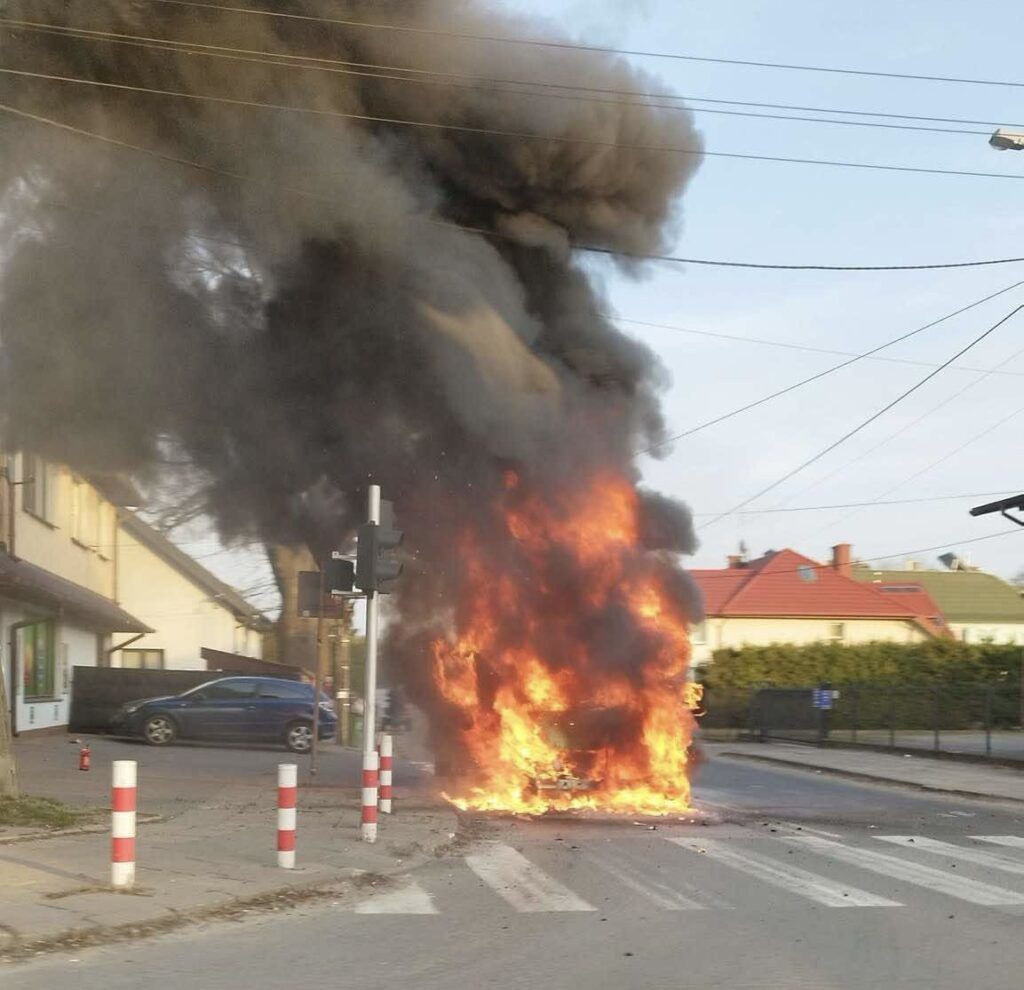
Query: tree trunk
x=8, y=766
x=296, y=636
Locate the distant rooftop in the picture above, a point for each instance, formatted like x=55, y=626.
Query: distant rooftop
x=963, y=596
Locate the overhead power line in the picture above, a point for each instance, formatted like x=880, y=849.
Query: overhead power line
x=598, y=49
x=239, y=177
x=935, y=463
x=534, y=88
x=860, y=426
x=828, y=371
x=787, y=345
x=945, y=401
x=532, y=136
x=865, y=505
x=896, y=554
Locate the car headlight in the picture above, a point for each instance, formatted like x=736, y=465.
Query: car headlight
x=130, y=709
x=327, y=707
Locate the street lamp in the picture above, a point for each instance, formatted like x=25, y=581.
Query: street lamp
x=1006, y=140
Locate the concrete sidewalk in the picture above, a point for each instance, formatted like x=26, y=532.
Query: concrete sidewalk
x=211, y=853
x=966, y=779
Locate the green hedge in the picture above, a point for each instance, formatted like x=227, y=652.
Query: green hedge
x=934, y=661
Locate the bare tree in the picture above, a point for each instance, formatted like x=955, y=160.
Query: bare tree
x=8, y=766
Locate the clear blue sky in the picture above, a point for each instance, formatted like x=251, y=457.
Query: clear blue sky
x=793, y=213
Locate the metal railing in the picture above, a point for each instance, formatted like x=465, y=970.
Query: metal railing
x=982, y=721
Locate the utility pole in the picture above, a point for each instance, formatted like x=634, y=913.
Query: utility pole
x=318, y=681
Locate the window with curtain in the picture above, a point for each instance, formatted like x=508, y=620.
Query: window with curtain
x=38, y=660
x=35, y=486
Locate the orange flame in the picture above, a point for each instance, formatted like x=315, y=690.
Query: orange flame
x=529, y=671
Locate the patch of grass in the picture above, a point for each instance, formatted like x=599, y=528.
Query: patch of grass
x=39, y=812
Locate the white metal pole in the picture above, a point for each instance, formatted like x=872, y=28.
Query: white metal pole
x=370, y=765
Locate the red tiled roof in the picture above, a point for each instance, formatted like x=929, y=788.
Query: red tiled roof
x=787, y=583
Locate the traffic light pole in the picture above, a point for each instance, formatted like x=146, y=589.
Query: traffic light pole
x=369, y=828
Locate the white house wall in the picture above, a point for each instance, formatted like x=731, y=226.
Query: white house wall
x=718, y=633
x=185, y=616
x=74, y=647
x=989, y=632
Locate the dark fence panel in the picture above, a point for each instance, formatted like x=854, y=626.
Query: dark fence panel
x=979, y=720
x=97, y=692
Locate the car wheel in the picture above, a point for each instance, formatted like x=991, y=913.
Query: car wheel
x=298, y=737
x=159, y=730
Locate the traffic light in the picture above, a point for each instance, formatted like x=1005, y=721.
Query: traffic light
x=375, y=571
x=339, y=575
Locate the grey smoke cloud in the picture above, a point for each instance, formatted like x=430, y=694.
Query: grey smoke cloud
x=293, y=342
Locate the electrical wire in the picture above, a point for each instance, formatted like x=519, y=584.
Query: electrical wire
x=521, y=135
x=860, y=426
x=828, y=371
x=984, y=376
x=952, y=544
x=928, y=467
x=239, y=177
x=571, y=46
x=803, y=347
x=865, y=505
x=531, y=88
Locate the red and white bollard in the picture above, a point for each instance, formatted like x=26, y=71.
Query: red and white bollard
x=386, y=758
x=369, y=821
x=287, y=798
x=122, y=824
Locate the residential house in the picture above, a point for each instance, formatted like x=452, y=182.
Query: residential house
x=979, y=607
x=785, y=597
x=189, y=608
x=84, y=582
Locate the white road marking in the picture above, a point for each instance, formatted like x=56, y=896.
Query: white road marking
x=522, y=884
x=791, y=828
x=791, y=878
x=412, y=899
x=966, y=853
x=962, y=888
x=661, y=894
x=1010, y=841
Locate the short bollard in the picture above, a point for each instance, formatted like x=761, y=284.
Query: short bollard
x=122, y=823
x=386, y=758
x=287, y=796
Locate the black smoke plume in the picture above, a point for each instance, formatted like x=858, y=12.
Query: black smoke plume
x=301, y=309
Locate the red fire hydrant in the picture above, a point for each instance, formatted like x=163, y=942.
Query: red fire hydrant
x=84, y=758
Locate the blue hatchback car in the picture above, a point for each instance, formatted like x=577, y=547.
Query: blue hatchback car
x=234, y=709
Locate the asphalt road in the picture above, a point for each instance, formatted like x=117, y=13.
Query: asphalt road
x=798, y=881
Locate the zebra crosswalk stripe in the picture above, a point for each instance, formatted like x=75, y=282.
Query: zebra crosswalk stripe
x=792, y=878
x=661, y=894
x=410, y=899
x=962, y=888
x=966, y=853
x=1010, y=841
x=522, y=884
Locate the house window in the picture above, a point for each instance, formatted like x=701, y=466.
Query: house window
x=38, y=662
x=85, y=514
x=836, y=632
x=35, y=486
x=142, y=659
x=699, y=633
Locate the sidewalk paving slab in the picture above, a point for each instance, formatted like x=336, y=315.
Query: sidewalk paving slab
x=964, y=779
